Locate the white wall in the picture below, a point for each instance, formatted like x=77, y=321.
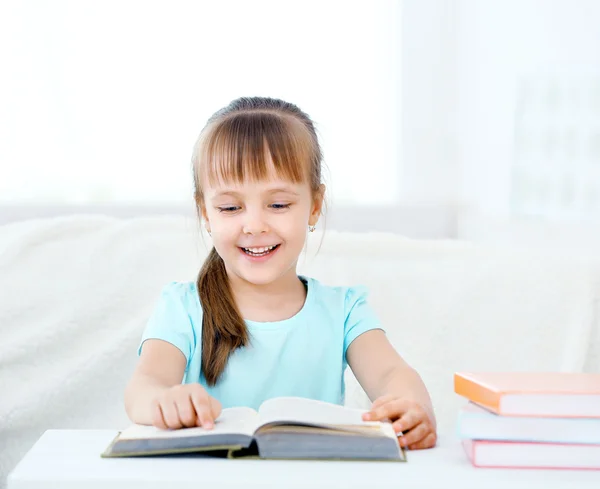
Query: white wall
x=101, y=102
x=423, y=210
x=462, y=64
x=499, y=43
x=430, y=168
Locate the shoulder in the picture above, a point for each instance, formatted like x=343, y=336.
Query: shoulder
x=349, y=306
x=176, y=318
x=181, y=291
x=344, y=297
x=181, y=296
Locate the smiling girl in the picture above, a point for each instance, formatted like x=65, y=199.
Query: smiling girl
x=250, y=328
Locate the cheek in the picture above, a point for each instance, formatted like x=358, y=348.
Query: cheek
x=223, y=229
x=296, y=226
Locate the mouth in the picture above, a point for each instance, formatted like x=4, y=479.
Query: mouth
x=260, y=251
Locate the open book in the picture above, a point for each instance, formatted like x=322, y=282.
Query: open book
x=283, y=428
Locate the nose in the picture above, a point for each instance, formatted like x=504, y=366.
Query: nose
x=255, y=223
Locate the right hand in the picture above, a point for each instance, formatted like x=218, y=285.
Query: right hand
x=185, y=406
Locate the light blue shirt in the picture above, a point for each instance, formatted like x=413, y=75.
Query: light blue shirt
x=303, y=356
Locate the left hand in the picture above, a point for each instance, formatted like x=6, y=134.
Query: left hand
x=408, y=417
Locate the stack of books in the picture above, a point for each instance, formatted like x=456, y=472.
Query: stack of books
x=530, y=420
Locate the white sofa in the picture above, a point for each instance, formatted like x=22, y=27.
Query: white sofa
x=75, y=293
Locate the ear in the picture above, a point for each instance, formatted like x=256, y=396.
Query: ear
x=317, y=206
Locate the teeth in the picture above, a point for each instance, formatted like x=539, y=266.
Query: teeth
x=259, y=250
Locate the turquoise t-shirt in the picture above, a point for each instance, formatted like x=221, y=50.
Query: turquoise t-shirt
x=303, y=356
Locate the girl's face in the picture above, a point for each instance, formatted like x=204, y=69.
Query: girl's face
x=259, y=227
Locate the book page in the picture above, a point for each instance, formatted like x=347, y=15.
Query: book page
x=309, y=411
x=240, y=420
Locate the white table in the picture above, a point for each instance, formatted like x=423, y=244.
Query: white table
x=71, y=459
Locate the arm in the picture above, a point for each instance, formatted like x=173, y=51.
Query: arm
x=382, y=372
x=397, y=389
x=155, y=395
x=160, y=367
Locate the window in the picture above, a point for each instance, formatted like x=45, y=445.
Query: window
x=105, y=99
x=556, y=170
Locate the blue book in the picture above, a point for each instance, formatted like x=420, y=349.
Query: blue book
x=477, y=423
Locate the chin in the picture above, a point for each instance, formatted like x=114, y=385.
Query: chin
x=260, y=275
x=259, y=278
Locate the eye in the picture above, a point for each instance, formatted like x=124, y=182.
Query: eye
x=280, y=206
x=228, y=208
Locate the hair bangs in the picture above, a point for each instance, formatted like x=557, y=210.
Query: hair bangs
x=255, y=146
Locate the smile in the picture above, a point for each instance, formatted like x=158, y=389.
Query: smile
x=262, y=251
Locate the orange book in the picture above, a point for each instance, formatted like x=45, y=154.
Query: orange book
x=552, y=394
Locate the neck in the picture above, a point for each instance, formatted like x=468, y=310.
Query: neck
x=275, y=301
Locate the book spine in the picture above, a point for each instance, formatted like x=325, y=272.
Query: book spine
x=472, y=452
x=475, y=392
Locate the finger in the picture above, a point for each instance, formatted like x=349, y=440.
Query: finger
x=382, y=400
x=170, y=415
x=206, y=416
x=409, y=420
x=390, y=410
x=428, y=442
x=201, y=401
x=215, y=407
x=157, y=417
x=186, y=411
x=378, y=402
x=415, y=435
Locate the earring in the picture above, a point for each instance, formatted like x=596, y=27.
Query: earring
x=311, y=229
x=208, y=231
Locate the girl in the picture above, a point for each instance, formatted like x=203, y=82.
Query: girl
x=250, y=328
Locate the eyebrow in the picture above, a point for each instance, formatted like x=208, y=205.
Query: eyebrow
x=233, y=193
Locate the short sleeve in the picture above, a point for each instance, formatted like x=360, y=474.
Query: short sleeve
x=360, y=318
x=170, y=320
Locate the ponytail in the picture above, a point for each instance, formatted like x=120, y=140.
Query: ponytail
x=223, y=328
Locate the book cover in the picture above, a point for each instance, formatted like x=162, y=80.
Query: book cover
x=524, y=455
x=476, y=422
x=545, y=394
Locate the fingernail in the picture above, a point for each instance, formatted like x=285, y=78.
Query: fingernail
x=366, y=416
x=208, y=425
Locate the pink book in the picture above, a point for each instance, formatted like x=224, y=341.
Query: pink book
x=526, y=455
